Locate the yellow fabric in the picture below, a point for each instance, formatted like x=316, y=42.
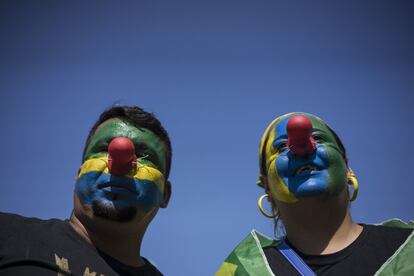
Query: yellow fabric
x=226, y=269
x=140, y=172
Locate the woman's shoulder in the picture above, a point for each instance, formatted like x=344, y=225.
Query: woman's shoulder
x=398, y=223
x=248, y=256
x=400, y=263
x=390, y=229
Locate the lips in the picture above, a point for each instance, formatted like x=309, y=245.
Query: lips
x=117, y=185
x=307, y=169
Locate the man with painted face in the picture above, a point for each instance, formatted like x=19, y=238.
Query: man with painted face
x=307, y=180
x=119, y=188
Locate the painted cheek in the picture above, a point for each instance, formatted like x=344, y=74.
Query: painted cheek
x=143, y=172
x=91, y=172
x=337, y=172
x=147, y=181
x=150, y=195
x=86, y=186
x=282, y=165
x=95, y=165
x=322, y=153
x=150, y=182
x=277, y=186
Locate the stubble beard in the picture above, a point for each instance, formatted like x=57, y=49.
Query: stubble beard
x=110, y=212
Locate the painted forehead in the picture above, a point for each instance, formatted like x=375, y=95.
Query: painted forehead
x=146, y=142
x=317, y=123
x=278, y=126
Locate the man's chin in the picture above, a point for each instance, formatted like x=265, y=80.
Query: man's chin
x=113, y=213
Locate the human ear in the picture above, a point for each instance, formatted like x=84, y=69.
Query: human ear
x=265, y=185
x=77, y=174
x=263, y=180
x=166, y=195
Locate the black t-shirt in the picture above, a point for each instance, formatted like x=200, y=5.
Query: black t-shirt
x=30, y=246
x=364, y=256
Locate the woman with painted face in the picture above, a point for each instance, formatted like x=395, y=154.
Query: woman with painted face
x=307, y=180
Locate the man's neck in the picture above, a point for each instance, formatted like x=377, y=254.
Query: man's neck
x=319, y=226
x=122, y=246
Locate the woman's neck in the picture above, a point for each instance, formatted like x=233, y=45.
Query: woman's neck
x=319, y=226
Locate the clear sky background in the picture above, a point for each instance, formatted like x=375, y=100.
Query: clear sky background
x=215, y=73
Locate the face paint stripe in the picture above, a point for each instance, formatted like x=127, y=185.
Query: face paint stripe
x=269, y=150
x=141, y=172
x=264, y=143
x=278, y=186
x=272, y=152
x=95, y=164
x=141, y=137
x=263, y=154
x=148, y=193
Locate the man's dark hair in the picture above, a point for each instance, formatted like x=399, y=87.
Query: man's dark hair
x=138, y=118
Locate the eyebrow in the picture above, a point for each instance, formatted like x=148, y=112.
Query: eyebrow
x=144, y=147
x=106, y=139
x=153, y=155
x=323, y=133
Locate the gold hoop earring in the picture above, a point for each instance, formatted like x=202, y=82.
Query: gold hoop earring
x=352, y=179
x=260, y=205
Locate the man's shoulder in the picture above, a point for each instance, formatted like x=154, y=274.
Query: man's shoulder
x=10, y=219
x=45, y=246
x=13, y=224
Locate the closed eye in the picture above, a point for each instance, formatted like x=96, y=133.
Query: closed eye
x=281, y=146
x=102, y=148
x=318, y=138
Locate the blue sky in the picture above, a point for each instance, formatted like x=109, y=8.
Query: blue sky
x=215, y=73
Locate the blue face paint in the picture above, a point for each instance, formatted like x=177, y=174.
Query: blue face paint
x=117, y=191
x=304, y=176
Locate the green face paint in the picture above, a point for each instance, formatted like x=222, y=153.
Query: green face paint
x=337, y=170
x=150, y=150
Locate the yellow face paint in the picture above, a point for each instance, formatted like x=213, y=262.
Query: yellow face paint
x=140, y=172
x=268, y=155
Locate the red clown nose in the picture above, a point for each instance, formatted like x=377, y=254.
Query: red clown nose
x=300, y=140
x=122, y=158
